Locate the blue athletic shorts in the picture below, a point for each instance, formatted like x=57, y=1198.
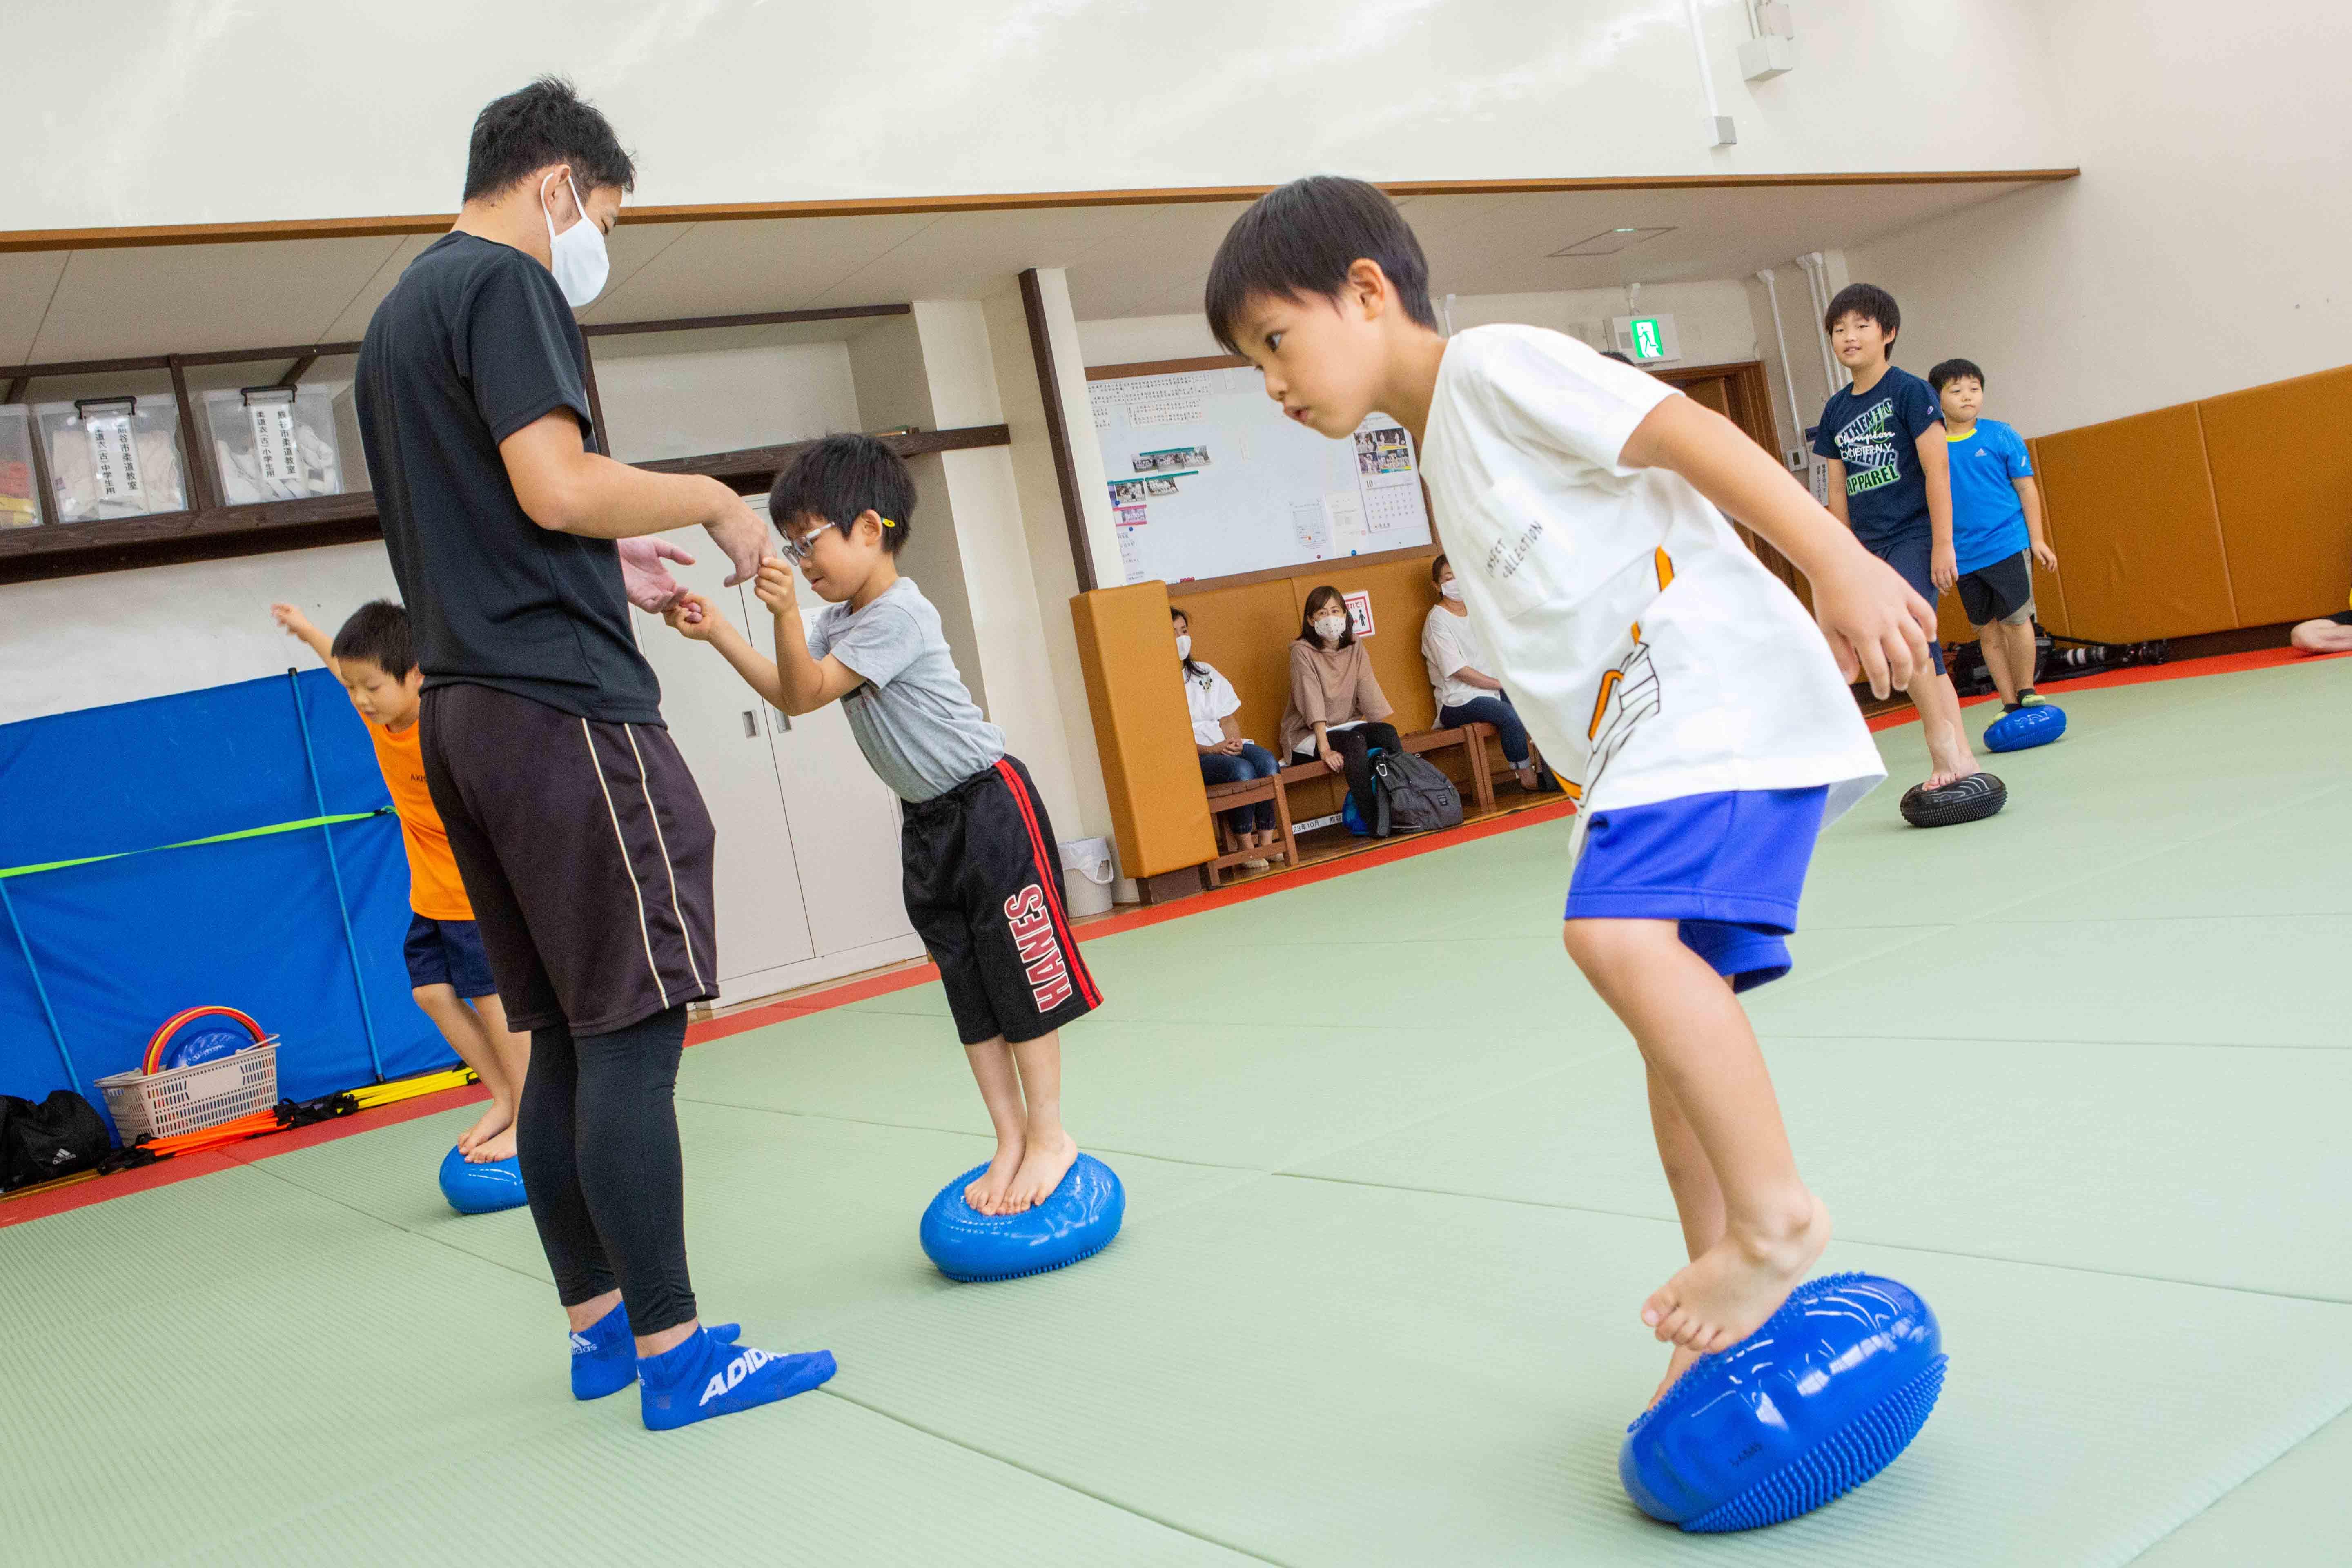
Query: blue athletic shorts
x=1913, y=555
x=448, y=953
x=1729, y=866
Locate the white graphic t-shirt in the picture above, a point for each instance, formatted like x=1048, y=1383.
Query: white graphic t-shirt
x=1648, y=650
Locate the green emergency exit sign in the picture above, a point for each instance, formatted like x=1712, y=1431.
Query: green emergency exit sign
x=1647, y=343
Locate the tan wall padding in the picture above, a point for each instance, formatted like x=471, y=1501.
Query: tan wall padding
x=2132, y=521
x=1158, y=806
x=2282, y=468
x=2049, y=587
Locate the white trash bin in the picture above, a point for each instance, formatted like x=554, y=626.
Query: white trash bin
x=1093, y=871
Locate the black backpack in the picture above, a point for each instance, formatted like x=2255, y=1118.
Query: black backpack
x=55, y=1138
x=1413, y=795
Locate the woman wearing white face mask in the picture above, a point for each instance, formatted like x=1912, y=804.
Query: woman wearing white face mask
x=1466, y=693
x=1225, y=756
x=1336, y=703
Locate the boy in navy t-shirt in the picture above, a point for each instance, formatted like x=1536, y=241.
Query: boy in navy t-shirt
x=1889, y=483
x=1997, y=534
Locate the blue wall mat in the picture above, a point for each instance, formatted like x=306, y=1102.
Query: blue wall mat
x=252, y=923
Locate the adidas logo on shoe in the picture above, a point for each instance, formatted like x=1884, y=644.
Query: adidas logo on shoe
x=582, y=1345
x=741, y=1367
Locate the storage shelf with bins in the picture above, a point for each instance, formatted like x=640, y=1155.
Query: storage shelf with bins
x=209, y=527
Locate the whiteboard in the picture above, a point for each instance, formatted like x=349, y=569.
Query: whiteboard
x=1208, y=479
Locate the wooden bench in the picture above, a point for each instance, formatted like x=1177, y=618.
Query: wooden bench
x=1225, y=797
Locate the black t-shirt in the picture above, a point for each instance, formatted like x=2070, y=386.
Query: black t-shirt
x=474, y=343
x=1876, y=435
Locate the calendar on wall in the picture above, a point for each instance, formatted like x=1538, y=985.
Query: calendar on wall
x=1208, y=479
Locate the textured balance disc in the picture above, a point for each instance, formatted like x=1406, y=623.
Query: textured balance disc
x=1816, y=1402
x=481, y=1189
x=1077, y=1222
x=1971, y=799
x=2025, y=729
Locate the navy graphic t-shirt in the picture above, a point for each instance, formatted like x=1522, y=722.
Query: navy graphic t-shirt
x=1876, y=435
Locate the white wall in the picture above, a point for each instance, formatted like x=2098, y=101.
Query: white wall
x=149, y=119
x=678, y=404
x=2204, y=249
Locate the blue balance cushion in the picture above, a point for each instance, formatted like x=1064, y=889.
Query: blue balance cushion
x=480, y=1189
x=1077, y=1221
x=2025, y=729
x=196, y=1047
x=1816, y=1402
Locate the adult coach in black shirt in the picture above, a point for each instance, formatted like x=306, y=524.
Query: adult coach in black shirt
x=583, y=841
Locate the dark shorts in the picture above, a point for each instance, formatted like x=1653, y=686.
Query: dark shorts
x=586, y=853
x=984, y=891
x=1729, y=866
x=1913, y=556
x=2342, y=617
x=448, y=953
x=2000, y=592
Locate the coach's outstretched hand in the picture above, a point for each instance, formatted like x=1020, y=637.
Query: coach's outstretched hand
x=643, y=576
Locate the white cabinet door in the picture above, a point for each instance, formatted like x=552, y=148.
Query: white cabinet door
x=722, y=728
x=845, y=821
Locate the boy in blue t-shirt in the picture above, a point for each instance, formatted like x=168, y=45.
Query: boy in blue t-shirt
x=1997, y=534
x=1889, y=481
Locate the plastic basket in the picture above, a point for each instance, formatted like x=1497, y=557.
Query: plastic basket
x=189, y=1099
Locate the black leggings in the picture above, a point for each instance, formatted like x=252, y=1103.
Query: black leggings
x=1354, y=747
x=597, y=1135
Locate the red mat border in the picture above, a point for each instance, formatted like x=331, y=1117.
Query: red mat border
x=84, y=1194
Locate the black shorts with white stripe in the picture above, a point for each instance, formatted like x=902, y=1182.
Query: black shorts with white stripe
x=984, y=883
x=586, y=852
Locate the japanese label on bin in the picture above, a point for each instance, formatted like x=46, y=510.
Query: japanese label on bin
x=114, y=457
x=273, y=442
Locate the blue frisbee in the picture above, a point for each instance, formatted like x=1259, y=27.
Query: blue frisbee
x=1822, y=1397
x=1077, y=1222
x=194, y=1049
x=481, y=1189
x=2026, y=728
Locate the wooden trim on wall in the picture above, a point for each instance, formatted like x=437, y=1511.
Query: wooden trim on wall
x=1165, y=367
x=114, y=239
x=1304, y=569
x=1057, y=430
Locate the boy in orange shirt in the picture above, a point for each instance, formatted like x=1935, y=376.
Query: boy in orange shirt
x=448, y=968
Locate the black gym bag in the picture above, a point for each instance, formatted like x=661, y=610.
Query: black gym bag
x=1414, y=797
x=55, y=1138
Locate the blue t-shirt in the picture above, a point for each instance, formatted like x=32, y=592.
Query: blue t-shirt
x=1988, y=518
x=1876, y=435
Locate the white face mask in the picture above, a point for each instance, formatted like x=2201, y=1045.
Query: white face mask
x=1451, y=589
x=1184, y=645
x=576, y=255
x=1328, y=627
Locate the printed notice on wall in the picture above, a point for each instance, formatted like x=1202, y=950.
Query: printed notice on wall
x=273, y=439
x=114, y=457
x=1168, y=399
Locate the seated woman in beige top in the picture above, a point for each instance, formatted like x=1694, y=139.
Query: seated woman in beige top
x=1335, y=706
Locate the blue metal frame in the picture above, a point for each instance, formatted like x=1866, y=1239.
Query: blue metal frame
x=334, y=868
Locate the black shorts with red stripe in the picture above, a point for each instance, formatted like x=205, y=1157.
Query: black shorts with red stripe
x=983, y=884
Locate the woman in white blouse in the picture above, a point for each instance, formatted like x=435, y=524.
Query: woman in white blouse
x=1457, y=662
x=1217, y=736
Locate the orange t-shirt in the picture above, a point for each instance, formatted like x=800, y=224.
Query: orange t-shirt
x=435, y=891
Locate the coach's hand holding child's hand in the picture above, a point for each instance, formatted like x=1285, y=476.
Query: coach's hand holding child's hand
x=693, y=616
x=1877, y=627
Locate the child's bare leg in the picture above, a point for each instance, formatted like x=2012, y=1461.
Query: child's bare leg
x=1948, y=753
x=464, y=1032
x=1698, y=1202
x=1994, y=639
x=2021, y=660
x=512, y=1052
x=1050, y=1149
x=991, y=1067
x=1695, y=1038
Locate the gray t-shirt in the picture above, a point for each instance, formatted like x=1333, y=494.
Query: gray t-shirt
x=913, y=719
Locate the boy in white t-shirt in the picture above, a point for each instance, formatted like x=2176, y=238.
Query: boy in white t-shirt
x=1678, y=690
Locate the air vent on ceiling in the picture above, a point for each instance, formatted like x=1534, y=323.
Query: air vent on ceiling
x=1610, y=241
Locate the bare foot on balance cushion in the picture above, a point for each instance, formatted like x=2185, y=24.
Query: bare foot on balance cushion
x=497, y=1120
x=1725, y=1293
x=1047, y=1160
x=986, y=1194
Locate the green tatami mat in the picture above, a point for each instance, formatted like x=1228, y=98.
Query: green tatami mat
x=2078, y=1074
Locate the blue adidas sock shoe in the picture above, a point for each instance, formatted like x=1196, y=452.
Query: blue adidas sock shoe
x=605, y=1356
x=705, y=1376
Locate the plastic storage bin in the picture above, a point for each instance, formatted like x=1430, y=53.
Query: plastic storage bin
x=20, y=502
x=189, y=1099
x=274, y=443
x=112, y=457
